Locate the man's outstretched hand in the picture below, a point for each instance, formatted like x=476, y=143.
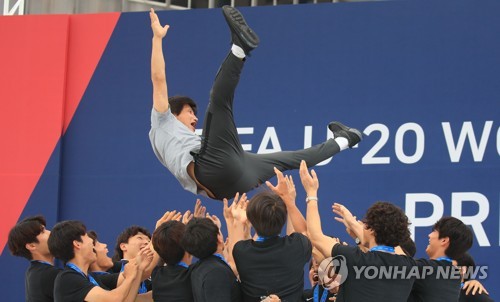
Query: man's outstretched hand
x=158, y=30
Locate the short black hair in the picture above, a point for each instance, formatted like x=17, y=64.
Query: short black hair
x=25, y=232
x=389, y=223
x=125, y=236
x=459, y=234
x=177, y=102
x=167, y=241
x=200, y=237
x=93, y=235
x=62, y=236
x=267, y=213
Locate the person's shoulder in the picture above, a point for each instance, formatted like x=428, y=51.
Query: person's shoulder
x=431, y=262
x=341, y=249
x=242, y=244
x=295, y=236
x=42, y=268
x=209, y=266
x=160, y=118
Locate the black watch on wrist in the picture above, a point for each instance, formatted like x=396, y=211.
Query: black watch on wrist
x=357, y=240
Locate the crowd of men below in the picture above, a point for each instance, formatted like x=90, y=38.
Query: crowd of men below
x=254, y=262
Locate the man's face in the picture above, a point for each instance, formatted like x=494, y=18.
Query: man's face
x=42, y=247
x=87, y=248
x=134, y=245
x=434, y=244
x=187, y=117
x=103, y=260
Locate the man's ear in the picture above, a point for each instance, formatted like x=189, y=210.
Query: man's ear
x=77, y=244
x=445, y=241
x=123, y=246
x=220, y=239
x=30, y=246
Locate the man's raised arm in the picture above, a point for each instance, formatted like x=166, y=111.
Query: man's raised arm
x=158, y=76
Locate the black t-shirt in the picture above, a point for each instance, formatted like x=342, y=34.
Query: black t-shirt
x=108, y=280
x=274, y=266
x=39, y=282
x=172, y=283
x=212, y=280
x=474, y=298
x=441, y=282
x=369, y=277
x=72, y=286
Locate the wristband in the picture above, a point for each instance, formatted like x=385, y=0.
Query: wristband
x=309, y=198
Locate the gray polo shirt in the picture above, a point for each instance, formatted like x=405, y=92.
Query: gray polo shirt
x=172, y=141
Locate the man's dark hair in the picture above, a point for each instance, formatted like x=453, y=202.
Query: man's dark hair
x=459, y=234
x=200, y=237
x=177, y=102
x=267, y=213
x=167, y=241
x=125, y=236
x=389, y=223
x=408, y=246
x=467, y=261
x=62, y=236
x=25, y=232
x=93, y=235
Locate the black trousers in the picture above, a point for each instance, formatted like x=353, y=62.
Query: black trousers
x=221, y=164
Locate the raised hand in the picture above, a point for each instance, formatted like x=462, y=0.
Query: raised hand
x=144, y=257
x=310, y=181
x=168, y=216
x=353, y=227
x=199, y=210
x=130, y=270
x=239, y=208
x=346, y=216
x=158, y=30
x=285, y=188
x=187, y=217
x=215, y=219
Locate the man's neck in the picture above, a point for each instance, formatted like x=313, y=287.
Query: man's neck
x=97, y=268
x=437, y=255
x=187, y=259
x=49, y=258
x=81, y=264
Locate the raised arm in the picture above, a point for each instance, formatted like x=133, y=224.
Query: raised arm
x=120, y=293
x=158, y=76
x=285, y=188
x=323, y=243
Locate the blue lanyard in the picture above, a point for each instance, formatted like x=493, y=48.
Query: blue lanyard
x=462, y=285
x=445, y=259
x=143, y=289
x=262, y=238
x=323, y=296
x=221, y=258
x=183, y=264
x=43, y=262
x=78, y=270
x=382, y=248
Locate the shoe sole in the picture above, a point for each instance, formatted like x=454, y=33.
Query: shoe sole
x=240, y=27
x=337, y=126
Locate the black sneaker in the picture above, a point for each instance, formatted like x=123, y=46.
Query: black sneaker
x=241, y=34
x=352, y=135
